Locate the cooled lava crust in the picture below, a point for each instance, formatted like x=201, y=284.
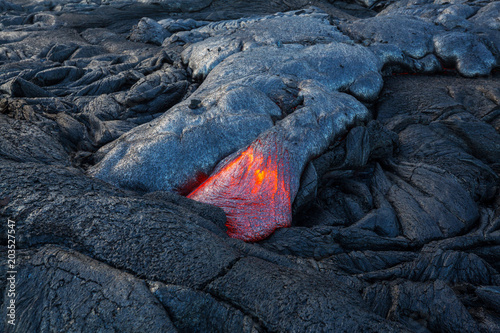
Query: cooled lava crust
x=344, y=158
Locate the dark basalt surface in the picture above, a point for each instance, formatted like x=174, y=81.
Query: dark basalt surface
x=109, y=110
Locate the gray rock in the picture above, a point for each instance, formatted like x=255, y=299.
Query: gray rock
x=381, y=220
x=150, y=238
x=450, y=21
x=453, y=267
x=308, y=189
x=366, y=3
x=204, y=56
x=57, y=75
x=383, y=143
x=106, y=131
x=71, y=129
x=176, y=25
x=196, y=311
x=104, y=107
x=360, y=239
x=61, y=52
x=58, y=45
x=300, y=295
x=25, y=142
x=467, y=155
x=424, y=211
x=488, y=16
x=60, y=289
x=356, y=262
x=209, y=212
x=227, y=120
x=429, y=65
x=461, y=10
x=276, y=30
x=432, y=305
x=182, y=6
x=402, y=210
x=490, y=295
x=149, y=31
x=6, y=6
x=313, y=242
x=157, y=91
x=338, y=66
x=426, y=9
x=357, y=148
x=415, y=40
x=19, y=87
x=466, y=52
x=109, y=84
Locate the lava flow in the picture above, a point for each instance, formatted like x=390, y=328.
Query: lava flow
x=253, y=188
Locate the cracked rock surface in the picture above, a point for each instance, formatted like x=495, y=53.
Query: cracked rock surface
x=110, y=111
x=100, y=292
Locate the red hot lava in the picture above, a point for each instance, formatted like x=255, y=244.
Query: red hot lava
x=254, y=188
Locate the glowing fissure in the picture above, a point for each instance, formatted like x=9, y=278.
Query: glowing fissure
x=253, y=187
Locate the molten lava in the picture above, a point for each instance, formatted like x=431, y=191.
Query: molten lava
x=253, y=187
x=256, y=186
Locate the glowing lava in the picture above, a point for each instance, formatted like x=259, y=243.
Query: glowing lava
x=253, y=187
x=256, y=186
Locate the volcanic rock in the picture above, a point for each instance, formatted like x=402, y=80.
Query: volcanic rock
x=384, y=30
x=184, y=6
x=22, y=141
x=259, y=78
x=75, y=292
x=260, y=183
x=149, y=31
x=392, y=221
x=471, y=58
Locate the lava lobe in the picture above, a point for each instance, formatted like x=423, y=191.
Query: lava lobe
x=255, y=189
x=256, y=186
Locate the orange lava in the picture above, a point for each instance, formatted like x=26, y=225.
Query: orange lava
x=253, y=188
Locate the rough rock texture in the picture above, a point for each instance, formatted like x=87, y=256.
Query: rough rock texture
x=84, y=231
x=177, y=246
x=238, y=100
x=471, y=58
x=411, y=300
x=395, y=226
x=98, y=292
x=149, y=31
x=415, y=40
x=256, y=187
x=183, y=6
x=287, y=295
x=188, y=309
